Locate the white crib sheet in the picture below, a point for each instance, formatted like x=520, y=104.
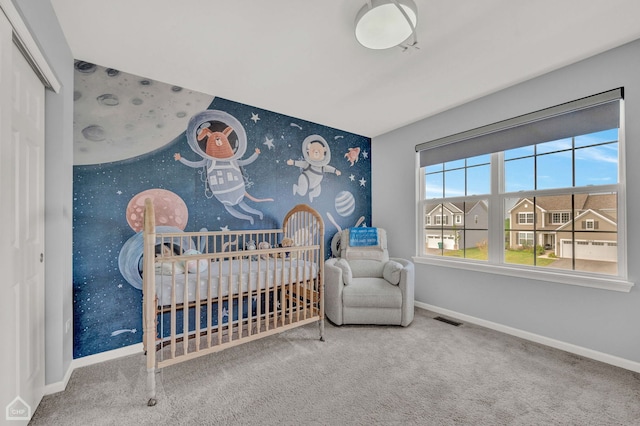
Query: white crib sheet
x=260, y=273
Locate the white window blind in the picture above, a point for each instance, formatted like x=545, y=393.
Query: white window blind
x=586, y=115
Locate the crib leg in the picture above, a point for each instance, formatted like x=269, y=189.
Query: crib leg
x=151, y=385
x=321, y=330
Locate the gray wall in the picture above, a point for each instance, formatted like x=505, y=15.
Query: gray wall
x=43, y=24
x=604, y=321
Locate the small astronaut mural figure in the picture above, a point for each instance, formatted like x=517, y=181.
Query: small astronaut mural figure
x=317, y=155
x=222, y=164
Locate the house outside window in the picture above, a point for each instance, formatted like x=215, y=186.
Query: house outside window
x=553, y=204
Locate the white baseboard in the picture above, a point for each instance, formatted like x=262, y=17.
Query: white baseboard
x=90, y=360
x=59, y=386
x=557, y=344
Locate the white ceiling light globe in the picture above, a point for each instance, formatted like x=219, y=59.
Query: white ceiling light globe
x=383, y=25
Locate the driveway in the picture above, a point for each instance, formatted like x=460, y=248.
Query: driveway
x=600, y=267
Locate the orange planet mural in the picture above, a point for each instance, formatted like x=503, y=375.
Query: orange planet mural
x=170, y=209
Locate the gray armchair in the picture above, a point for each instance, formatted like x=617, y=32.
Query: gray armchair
x=363, y=285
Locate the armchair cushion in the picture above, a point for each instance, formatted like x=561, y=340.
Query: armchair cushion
x=373, y=293
x=366, y=268
x=391, y=272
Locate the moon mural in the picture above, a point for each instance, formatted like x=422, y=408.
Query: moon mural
x=118, y=116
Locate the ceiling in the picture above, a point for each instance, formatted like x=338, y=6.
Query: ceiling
x=300, y=58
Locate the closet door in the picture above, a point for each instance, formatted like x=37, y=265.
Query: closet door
x=22, y=236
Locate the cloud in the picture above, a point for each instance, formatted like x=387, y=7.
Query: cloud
x=606, y=153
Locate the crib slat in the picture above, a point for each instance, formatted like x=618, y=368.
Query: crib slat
x=219, y=301
x=185, y=315
x=299, y=298
x=209, y=298
x=259, y=298
x=283, y=295
x=230, y=300
x=198, y=301
x=240, y=297
x=173, y=330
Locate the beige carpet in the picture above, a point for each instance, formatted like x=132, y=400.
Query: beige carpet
x=429, y=373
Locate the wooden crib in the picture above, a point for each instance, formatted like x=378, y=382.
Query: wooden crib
x=207, y=291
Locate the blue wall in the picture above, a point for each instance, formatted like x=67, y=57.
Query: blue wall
x=107, y=307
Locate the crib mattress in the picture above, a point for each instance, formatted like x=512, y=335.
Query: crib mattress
x=237, y=275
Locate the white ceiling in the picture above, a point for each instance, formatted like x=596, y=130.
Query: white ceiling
x=300, y=58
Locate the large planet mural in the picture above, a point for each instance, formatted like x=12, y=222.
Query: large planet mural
x=171, y=215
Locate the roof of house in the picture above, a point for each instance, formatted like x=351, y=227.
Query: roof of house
x=581, y=202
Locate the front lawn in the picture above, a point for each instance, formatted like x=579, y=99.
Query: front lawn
x=518, y=257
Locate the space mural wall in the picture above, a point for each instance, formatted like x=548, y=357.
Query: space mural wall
x=207, y=163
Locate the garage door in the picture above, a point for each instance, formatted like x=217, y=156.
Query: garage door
x=447, y=240
x=590, y=250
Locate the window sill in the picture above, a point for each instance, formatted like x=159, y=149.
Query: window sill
x=593, y=281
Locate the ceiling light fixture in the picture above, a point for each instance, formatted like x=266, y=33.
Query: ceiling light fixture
x=382, y=24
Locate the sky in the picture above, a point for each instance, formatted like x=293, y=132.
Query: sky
x=595, y=163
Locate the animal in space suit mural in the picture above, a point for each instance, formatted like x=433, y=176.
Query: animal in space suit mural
x=221, y=162
x=317, y=155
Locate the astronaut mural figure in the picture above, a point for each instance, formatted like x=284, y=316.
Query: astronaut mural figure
x=317, y=155
x=224, y=179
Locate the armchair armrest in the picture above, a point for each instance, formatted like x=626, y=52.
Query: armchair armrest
x=333, y=285
x=406, y=284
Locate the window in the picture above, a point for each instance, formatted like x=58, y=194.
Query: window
x=442, y=220
x=524, y=218
x=560, y=217
x=537, y=192
x=525, y=239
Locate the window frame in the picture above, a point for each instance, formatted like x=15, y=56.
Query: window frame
x=495, y=199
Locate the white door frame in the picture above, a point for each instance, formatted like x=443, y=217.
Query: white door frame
x=28, y=46
x=23, y=363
